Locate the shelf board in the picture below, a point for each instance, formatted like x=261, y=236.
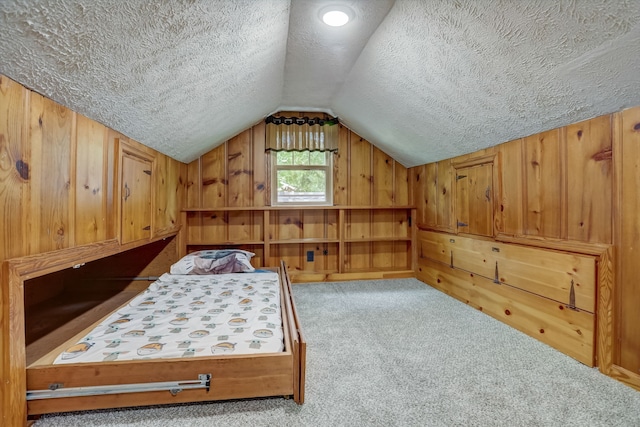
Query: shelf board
x=289, y=208
x=307, y=240
x=234, y=243
x=377, y=239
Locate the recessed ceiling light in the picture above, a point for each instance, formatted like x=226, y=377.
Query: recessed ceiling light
x=336, y=16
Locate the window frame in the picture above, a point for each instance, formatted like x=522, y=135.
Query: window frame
x=327, y=167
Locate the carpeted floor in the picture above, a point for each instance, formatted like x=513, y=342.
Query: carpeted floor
x=399, y=353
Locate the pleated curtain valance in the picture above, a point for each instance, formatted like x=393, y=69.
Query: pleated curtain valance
x=301, y=134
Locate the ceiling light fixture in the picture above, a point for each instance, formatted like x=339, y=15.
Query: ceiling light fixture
x=336, y=16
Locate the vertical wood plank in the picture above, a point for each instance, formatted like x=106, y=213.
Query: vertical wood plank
x=14, y=185
x=510, y=203
x=590, y=173
x=213, y=178
x=341, y=169
x=194, y=183
x=542, y=163
x=360, y=172
x=112, y=173
x=358, y=255
x=50, y=141
x=91, y=177
x=426, y=185
x=15, y=167
x=627, y=297
x=444, y=213
x=213, y=227
x=400, y=185
x=161, y=189
x=260, y=178
x=383, y=178
x=168, y=189
x=240, y=163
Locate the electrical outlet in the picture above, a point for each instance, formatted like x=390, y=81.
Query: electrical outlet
x=309, y=256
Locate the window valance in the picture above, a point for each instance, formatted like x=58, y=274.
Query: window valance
x=301, y=134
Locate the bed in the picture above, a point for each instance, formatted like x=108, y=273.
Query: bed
x=190, y=370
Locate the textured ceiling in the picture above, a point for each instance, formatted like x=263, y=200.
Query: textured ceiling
x=422, y=80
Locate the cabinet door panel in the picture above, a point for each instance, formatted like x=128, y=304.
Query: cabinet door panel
x=136, y=198
x=474, y=199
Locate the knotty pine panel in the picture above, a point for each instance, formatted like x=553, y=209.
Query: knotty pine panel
x=91, y=181
x=358, y=256
x=291, y=254
x=240, y=170
x=383, y=223
x=358, y=224
x=543, y=184
x=360, y=178
x=383, y=178
x=444, y=202
x=341, y=168
x=383, y=255
x=510, y=208
x=212, y=226
x=261, y=179
x=15, y=164
x=171, y=194
x=136, y=190
x=426, y=186
x=316, y=224
x=590, y=180
x=214, y=181
x=244, y=225
x=50, y=134
x=627, y=295
x=194, y=184
x=287, y=224
x=401, y=185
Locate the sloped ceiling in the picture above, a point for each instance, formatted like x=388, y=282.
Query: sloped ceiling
x=422, y=80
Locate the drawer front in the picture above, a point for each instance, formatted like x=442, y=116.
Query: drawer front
x=563, y=277
x=566, y=278
x=434, y=246
x=571, y=332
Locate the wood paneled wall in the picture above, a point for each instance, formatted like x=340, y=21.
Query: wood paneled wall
x=556, y=185
x=58, y=192
x=236, y=174
x=575, y=189
x=58, y=176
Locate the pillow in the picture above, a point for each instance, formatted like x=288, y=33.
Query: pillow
x=214, y=262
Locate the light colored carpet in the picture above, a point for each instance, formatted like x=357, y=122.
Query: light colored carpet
x=399, y=353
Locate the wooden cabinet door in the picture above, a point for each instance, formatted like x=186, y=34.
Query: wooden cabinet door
x=474, y=199
x=135, y=193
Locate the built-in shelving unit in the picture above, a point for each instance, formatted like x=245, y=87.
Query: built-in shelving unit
x=317, y=242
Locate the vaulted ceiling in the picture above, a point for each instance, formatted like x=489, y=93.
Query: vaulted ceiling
x=421, y=80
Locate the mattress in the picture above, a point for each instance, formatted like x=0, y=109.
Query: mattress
x=189, y=316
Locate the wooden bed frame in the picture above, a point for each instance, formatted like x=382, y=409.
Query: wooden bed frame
x=151, y=382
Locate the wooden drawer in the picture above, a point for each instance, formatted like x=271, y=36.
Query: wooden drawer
x=563, y=277
x=434, y=246
x=569, y=331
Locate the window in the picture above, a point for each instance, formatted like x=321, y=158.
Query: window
x=301, y=178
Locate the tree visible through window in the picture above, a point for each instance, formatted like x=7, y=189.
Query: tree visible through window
x=301, y=177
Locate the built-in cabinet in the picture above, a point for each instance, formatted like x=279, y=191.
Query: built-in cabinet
x=547, y=294
x=569, y=194
x=316, y=242
x=71, y=187
x=135, y=196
